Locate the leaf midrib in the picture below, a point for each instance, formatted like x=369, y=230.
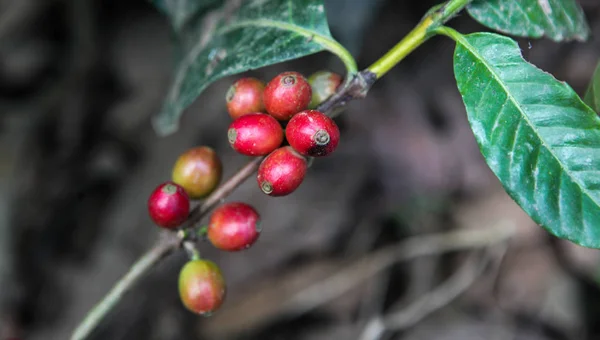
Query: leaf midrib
x=326, y=41
x=468, y=46
x=319, y=37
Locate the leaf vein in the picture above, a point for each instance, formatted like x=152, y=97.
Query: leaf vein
x=511, y=148
x=497, y=119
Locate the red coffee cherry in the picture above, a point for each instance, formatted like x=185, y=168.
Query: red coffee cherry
x=198, y=171
x=286, y=95
x=323, y=85
x=201, y=286
x=169, y=205
x=255, y=134
x=281, y=172
x=233, y=226
x=312, y=133
x=245, y=96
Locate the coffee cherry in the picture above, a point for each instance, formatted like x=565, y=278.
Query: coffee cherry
x=198, y=171
x=245, y=96
x=201, y=286
x=286, y=95
x=169, y=205
x=323, y=85
x=281, y=172
x=312, y=133
x=233, y=226
x=255, y=134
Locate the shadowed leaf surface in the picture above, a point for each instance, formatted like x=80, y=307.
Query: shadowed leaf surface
x=592, y=95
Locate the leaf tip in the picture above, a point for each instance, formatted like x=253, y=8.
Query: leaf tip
x=163, y=125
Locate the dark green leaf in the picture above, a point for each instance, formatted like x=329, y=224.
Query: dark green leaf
x=236, y=37
x=181, y=11
x=592, y=96
x=535, y=133
x=558, y=20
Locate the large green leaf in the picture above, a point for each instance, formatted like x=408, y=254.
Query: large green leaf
x=236, y=36
x=592, y=96
x=535, y=133
x=556, y=19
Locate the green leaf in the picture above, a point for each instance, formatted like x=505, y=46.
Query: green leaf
x=592, y=96
x=558, y=20
x=180, y=12
x=235, y=37
x=535, y=133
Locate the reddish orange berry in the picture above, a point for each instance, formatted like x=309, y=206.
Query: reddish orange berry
x=168, y=205
x=312, y=133
x=234, y=226
x=255, y=134
x=245, y=96
x=287, y=94
x=281, y=172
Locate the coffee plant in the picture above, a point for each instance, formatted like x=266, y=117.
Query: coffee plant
x=537, y=136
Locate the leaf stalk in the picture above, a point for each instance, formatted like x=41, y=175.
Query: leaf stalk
x=436, y=17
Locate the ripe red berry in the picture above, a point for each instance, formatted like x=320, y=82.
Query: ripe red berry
x=198, y=171
x=323, y=85
x=169, y=205
x=233, y=226
x=255, y=134
x=312, y=133
x=287, y=94
x=281, y=172
x=245, y=96
x=201, y=286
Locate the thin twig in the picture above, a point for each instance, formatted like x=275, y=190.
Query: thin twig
x=348, y=277
x=457, y=284
x=163, y=248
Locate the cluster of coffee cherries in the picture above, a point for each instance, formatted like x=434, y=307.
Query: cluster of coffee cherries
x=278, y=121
x=260, y=114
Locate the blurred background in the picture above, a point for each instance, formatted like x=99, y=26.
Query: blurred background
x=79, y=81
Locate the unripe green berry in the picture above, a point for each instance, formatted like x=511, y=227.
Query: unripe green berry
x=198, y=171
x=323, y=85
x=201, y=286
